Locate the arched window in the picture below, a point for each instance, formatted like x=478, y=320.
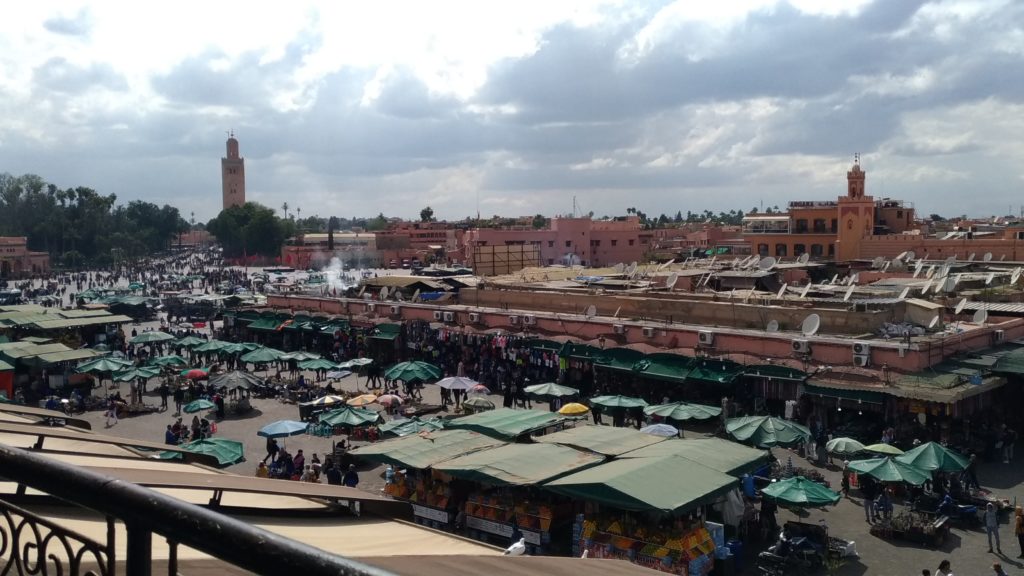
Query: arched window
x=780, y=250
x=762, y=249
x=817, y=250
x=799, y=249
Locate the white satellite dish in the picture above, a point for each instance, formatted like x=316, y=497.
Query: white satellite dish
x=804, y=258
x=905, y=293
x=1002, y=257
x=834, y=278
x=766, y=263
x=949, y=285
x=909, y=255
x=632, y=268
x=925, y=257
x=1015, y=276
x=899, y=265
x=619, y=268
x=666, y=264
x=616, y=315
x=888, y=263
x=773, y=326
x=361, y=290
x=980, y=317
x=933, y=322
x=591, y=311
x=849, y=292
x=970, y=257
x=917, y=271
x=901, y=256
x=782, y=290
x=927, y=285
x=988, y=279
x=810, y=325
x=416, y=295
x=672, y=279
x=960, y=307
x=877, y=262
x=930, y=272
x=951, y=260
x=383, y=292
x=987, y=257
x=807, y=288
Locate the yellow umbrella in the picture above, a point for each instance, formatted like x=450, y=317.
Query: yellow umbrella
x=573, y=409
x=362, y=400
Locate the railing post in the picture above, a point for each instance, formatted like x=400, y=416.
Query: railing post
x=140, y=550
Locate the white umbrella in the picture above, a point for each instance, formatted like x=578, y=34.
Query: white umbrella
x=457, y=383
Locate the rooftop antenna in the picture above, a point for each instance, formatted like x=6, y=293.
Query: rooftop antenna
x=810, y=325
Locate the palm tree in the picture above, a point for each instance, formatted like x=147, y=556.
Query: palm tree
x=298, y=213
x=285, y=208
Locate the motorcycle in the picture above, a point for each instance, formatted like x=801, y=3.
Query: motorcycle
x=790, y=555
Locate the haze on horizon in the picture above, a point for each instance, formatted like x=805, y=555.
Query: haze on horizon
x=354, y=109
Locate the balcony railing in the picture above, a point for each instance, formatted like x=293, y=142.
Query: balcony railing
x=31, y=544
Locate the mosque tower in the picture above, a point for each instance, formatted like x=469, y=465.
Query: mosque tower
x=232, y=175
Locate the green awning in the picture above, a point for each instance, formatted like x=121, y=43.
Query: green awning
x=618, y=359
x=386, y=331
x=775, y=372
x=506, y=423
x=642, y=484
x=63, y=356
x=519, y=464
x=1011, y=363
x=606, y=440
x=581, y=351
x=671, y=367
x=265, y=324
x=426, y=450
x=334, y=326
x=714, y=371
x=715, y=453
x=869, y=396
x=538, y=344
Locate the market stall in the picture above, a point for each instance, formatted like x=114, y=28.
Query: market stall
x=506, y=423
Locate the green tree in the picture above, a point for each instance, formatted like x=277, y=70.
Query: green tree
x=539, y=222
x=427, y=214
x=250, y=229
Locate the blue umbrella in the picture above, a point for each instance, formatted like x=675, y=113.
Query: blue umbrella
x=282, y=429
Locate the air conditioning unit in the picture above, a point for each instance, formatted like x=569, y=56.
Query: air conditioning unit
x=438, y=315
x=618, y=328
x=861, y=360
x=449, y=316
x=396, y=310
x=474, y=317
x=648, y=331
x=861, y=348
x=999, y=336
x=802, y=346
x=513, y=320
x=529, y=320
x=706, y=338
x=903, y=351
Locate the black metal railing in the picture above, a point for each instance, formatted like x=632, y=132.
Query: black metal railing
x=31, y=544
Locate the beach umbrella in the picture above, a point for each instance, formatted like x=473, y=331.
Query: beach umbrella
x=888, y=469
x=199, y=406
x=618, y=402
x=316, y=364
x=136, y=286
x=300, y=356
x=362, y=400
x=799, y=492
x=550, y=390
x=102, y=365
x=457, y=383
x=574, y=409
x=328, y=400
x=934, y=456
x=480, y=389
x=683, y=411
x=190, y=341
x=349, y=416
x=766, y=431
x=389, y=399
x=261, y=356
x=211, y=346
x=134, y=374
x=882, y=448
x=663, y=430
x=227, y=452
x=414, y=370
x=283, y=429
x=355, y=363
x=168, y=360
x=478, y=404
x=844, y=446
x=151, y=337
x=235, y=379
x=196, y=373
x=338, y=374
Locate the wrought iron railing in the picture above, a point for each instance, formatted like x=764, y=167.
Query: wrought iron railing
x=31, y=544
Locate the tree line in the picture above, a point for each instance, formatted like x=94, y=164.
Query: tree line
x=79, y=226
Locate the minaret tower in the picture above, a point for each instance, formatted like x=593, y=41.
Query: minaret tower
x=232, y=175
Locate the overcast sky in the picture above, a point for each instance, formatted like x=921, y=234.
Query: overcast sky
x=355, y=108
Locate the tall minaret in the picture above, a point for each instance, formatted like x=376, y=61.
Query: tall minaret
x=232, y=175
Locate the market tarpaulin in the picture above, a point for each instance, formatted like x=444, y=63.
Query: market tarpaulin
x=671, y=367
x=506, y=423
x=1011, y=363
x=606, y=440
x=619, y=359
x=643, y=484
x=716, y=453
x=425, y=450
x=519, y=464
x=386, y=331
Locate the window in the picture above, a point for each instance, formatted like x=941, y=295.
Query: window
x=780, y=250
x=831, y=249
x=817, y=250
x=630, y=241
x=551, y=243
x=819, y=226
x=568, y=243
x=762, y=249
x=551, y=261
x=615, y=242
x=835, y=226
x=801, y=226
x=899, y=213
x=799, y=249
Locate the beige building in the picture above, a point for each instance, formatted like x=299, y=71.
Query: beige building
x=232, y=175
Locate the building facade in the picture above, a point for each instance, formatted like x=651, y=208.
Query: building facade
x=232, y=175
x=17, y=261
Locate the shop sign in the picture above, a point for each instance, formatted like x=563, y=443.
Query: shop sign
x=501, y=529
x=430, y=513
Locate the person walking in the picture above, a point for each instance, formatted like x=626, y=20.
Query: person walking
x=351, y=478
x=944, y=569
x=867, y=489
x=992, y=526
x=272, y=450
x=1018, y=528
x=165, y=391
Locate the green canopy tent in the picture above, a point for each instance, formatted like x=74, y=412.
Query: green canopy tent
x=105, y=365
x=506, y=423
x=349, y=416
x=617, y=402
x=422, y=451
x=889, y=469
x=881, y=448
x=604, y=440
x=170, y=360
x=550, y=390
x=799, y=492
x=518, y=464
x=412, y=425
x=151, y=337
x=190, y=341
x=317, y=364
x=726, y=456
x=261, y=356
x=639, y=484
x=766, y=431
x=413, y=370
x=238, y=347
x=227, y=452
x=682, y=411
x=934, y=456
x=135, y=374
x=478, y=404
x=199, y=406
x=301, y=356
x=844, y=446
x=211, y=346
x=235, y=379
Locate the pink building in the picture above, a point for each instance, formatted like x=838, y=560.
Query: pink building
x=572, y=241
x=16, y=260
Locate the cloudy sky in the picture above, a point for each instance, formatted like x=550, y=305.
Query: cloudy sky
x=355, y=108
